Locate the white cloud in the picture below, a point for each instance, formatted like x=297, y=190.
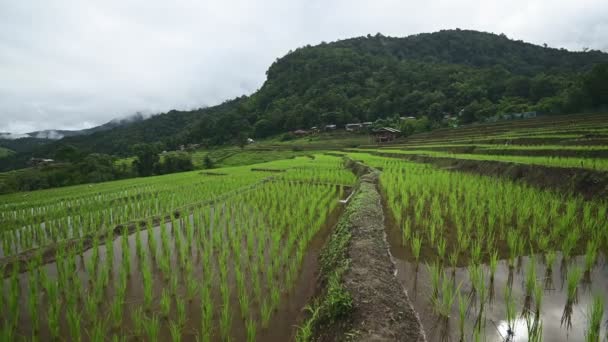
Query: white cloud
x=68, y=64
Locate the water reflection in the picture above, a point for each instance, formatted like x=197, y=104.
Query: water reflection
x=486, y=312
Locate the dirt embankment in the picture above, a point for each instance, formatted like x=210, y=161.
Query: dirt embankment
x=380, y=309
x=590, y=184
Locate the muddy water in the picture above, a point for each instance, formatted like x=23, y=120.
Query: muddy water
x=282, y=324
x=554, y=313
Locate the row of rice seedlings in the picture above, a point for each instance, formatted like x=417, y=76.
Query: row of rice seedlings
x=268, y=222
x=109, y=199
x=562, y=162
x=34, y=227
x=457, y=219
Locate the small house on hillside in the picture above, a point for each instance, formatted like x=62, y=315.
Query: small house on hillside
x=301, y=132
x=367, y=124
x=40, y=162
x=351, y=127
x=385, y=134
x=330, y=127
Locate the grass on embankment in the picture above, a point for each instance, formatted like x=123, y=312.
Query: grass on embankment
x=335, y=301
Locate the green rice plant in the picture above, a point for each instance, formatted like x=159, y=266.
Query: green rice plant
x=510, y=312
x=435, y=274
x=453, y=258
x=91, y=304
x=251, y=330
x=569, y=242
x=266, y=312
x=407, y=230
x=138, y=319
x=416, y=246
x=7, y=334
x=475, y=276
x=53, y=315
x=116, y=311
x=152, y=328
x=512, y=241
x=538, y=297
x=181, y=311
x=225, y=321
x=165, y=304
x=463, y=305
x=443, y=304
x=535, y=328
x=191, y=288
x=573, y=279
x=244, y=302
x=476, y=252
x=594, y=319
x=74, y=324
x=493, y=264
x=590, y=255
x=176, y=331
x=97, y=333
x=32, y=302
x=206, y=318
x=441, y=247
x=530, y=282
x=275, y=296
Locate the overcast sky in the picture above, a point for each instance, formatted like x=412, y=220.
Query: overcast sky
x=68, y=64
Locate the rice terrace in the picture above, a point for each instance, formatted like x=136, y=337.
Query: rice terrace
x=238, y=253
x=219, y=171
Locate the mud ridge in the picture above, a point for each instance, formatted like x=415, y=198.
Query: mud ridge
x=381, y=309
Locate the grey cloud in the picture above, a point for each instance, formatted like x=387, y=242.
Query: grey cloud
x=73, y=64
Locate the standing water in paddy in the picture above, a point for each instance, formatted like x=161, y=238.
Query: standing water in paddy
x=489, y=259
x=225, y=270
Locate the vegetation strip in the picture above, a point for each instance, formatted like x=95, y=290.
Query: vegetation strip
x=362, y=300
x=47, y=253
x=588, y=183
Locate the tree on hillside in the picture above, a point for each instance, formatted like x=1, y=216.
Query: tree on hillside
x=595, y=84
x=146, y=159
x=175, y=162
x=208, y=163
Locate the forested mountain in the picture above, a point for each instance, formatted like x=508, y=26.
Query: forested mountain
x=470, y=73
x=428, y=74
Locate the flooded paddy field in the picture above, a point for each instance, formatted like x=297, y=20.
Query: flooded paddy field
x=487, y=316
x=242, y=268
x=489, y=259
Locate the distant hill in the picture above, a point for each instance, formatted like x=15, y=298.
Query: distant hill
x=458, y=72
x=56, y=134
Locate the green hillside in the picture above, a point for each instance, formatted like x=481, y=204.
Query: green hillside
x=5, y=152
x=470, y=73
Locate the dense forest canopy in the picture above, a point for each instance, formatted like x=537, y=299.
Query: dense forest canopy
x=467, y=73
